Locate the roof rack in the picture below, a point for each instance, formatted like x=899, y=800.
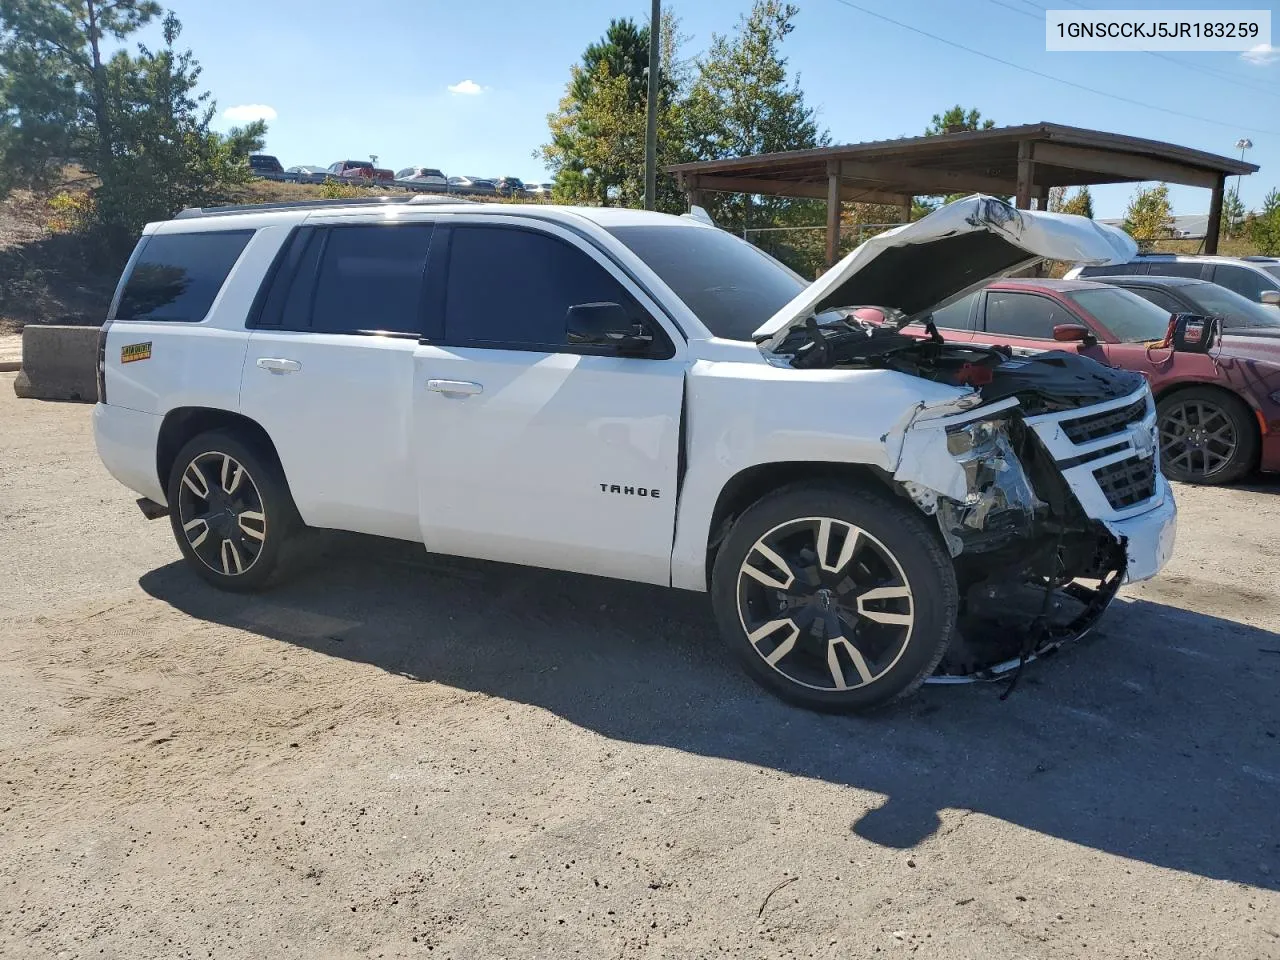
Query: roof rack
x=419, y=199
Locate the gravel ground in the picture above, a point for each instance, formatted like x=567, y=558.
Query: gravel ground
x=401, y=756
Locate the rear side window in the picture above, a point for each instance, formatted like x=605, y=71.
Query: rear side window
x=370, y=279
x=1175, y=268
x=513, y=288
x=177, y=276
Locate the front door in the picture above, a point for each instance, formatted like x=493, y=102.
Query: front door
x=532, y=449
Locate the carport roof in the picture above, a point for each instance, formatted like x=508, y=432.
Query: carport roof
x=983, y=161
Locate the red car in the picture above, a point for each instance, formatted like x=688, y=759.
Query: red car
x=1218, y=412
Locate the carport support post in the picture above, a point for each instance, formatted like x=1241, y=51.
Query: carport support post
x=1025, y=176
x=691, y=191
x=1215, y=215
x=904, y=212
x=833, y=213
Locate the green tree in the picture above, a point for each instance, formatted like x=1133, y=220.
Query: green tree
x=1081, y=204
x=596, y=149
x=957, y=119
x=742, y=103
x=1263, y=227
x=1150, y=215
x=1232, y=214
x=54, y=97
x=138, y=122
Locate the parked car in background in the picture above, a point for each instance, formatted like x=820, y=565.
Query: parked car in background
x=1240, y=316
x=472, y=185
x=422, y=178
x=266, y=166
x=307, y=174
x=539, y=190
x=359, y=170
x=1217, y=413
x=509, y=187
x=1255, y=278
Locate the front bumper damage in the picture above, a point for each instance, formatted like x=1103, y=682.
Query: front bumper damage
x=1045, y=518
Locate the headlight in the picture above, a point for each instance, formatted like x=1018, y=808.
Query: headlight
x=974, y=438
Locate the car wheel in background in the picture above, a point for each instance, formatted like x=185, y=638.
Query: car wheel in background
x=1206, y=436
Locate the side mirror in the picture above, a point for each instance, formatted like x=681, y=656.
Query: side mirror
x=1071, y=332
x=1271, y=297
x=606, y=324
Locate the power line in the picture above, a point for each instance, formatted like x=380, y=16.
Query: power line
x=1048, y=76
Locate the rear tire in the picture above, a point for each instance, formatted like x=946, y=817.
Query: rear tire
x=230, y=510
x=834, y=598
x=1207, y=436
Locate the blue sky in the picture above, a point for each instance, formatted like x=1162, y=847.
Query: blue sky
x=342, y=83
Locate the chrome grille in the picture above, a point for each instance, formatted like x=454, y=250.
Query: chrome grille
x=1127, y=482
x=1099, y=425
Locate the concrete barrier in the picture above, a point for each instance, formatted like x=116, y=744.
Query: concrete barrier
x=58, y=363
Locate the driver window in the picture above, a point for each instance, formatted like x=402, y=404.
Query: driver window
x=1024, y=314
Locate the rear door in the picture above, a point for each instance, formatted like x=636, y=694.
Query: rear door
x=329, y=370
x=531, y=448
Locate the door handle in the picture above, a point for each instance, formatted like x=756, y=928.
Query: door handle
x=454, y=388
x=279, y=364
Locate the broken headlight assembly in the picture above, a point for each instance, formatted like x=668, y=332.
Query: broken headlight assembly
x=1000, y=503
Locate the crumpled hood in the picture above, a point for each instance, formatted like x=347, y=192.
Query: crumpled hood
x=957, y=248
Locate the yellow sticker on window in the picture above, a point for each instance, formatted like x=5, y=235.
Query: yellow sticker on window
x=135, y=351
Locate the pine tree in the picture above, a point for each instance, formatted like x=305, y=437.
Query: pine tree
x=1081, y=204
x=1150, y=215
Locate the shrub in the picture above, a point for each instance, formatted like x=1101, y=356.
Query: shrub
x=71, y=212
x=333, y=189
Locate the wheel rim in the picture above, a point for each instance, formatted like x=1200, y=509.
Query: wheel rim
x=221, y=514
x=1198, y=437
x=825, y=604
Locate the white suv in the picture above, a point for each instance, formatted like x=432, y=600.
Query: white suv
x=647, y=397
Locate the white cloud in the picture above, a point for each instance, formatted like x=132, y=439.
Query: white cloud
x=248, y=112
x=1261, y=55
x=467, y=87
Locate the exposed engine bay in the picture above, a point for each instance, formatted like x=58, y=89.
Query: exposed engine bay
x=1034, y=569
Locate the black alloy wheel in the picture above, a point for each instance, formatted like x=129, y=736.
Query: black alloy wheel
x=1207, y=436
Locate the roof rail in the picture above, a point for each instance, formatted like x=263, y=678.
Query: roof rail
x=1258, y=259
x=194, y=212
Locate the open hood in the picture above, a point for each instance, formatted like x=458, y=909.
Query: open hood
x=923, y=265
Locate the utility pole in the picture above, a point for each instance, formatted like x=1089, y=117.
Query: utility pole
x=651, y=126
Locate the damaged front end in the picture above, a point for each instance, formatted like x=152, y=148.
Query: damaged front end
x=1034, y=571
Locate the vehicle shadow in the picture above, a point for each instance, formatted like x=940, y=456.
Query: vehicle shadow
x=1154, y=739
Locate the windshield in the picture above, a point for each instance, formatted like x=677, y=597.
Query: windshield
x=1237, y=311
x=731, y=286
x=1130, y=318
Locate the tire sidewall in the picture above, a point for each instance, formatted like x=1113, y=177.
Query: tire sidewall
x=276, y=503
x=919, y=552
x=1241, y=416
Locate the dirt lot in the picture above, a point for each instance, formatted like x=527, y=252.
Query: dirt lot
x=397, y=756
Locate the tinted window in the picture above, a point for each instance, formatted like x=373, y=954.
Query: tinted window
x=1111, y=270
x=955, y=316
x=370, y=279
x=178, y=275
x=1235, y=310
x=1247, y=283
x=1130, y=318
x=1024, y=315
x=1274, y=270
x=731, y=286
x=1159, y=298
x=514, y=287
x=1175, y=268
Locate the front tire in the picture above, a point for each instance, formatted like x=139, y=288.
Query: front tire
x=230, y=510
x=1207, y=436
x=834, y=598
